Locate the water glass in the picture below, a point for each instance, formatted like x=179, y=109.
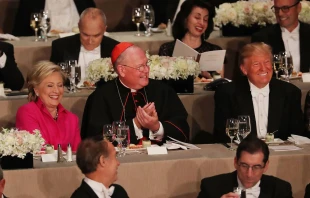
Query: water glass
x=45, y=23
x=148, y=18
x=244, y=125
x=71, y=71
x=121, y=137
x=287, y=64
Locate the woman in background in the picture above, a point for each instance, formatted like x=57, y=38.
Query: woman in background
x=44, y=111
x=193, y=24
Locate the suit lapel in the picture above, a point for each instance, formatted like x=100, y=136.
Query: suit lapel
x=276, y=100
x=276, y=40
x=304, y=43
x=74, y=51
x=104, y=50
x=88, y=189
x=244, y=102
x=266, y=190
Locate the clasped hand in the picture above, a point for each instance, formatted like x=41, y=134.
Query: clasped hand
x=147, y=117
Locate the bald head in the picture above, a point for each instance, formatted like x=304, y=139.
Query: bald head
x=93, y=14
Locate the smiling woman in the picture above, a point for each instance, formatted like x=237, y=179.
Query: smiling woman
x=44, y=111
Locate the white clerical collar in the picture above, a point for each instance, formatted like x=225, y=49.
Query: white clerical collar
x=295, y=31
x=96, y=186
x=253, y=88
x=94, y=51
x=132, y=90
x=243, y=188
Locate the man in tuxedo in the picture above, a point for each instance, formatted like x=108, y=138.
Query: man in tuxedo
x=9, y=72
x=97, y=161
x=26, y=7
x=288, y=34
x=150, y=108
x=89, y=45
x=273, y=105
x=251, y=162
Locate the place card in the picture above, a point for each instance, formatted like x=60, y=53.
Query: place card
x=305, y=77
x=156, y=150
x=49, y=158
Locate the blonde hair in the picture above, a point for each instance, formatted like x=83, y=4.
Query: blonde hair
x=254, y=49
x=38, y=73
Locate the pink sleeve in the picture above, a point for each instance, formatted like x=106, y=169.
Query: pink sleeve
x=77, y=137
x=26, y=119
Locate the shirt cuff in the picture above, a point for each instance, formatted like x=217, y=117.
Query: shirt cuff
x=138, y=132
x=158, y=136
x=2, y=60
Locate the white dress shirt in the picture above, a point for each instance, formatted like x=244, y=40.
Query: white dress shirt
x=64, y=14
x=260, y=99
x=153, y=135
x=100, y=190
x=292, y=44
x=85, y=57
x=250, y=192
x=2, y=60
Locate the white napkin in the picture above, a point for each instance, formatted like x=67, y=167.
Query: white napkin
x=9, y=37
x=297, y=139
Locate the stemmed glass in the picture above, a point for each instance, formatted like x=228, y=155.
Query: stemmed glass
x=244, y=125
x=277, y=64
x=45, y=23
x=71, y=67
x=137, y=19
x=77, y=75
x=121, y=135
x=35, y=24
x=287, y=64
x=231, y=130
x=148, y=17
x=108, y=133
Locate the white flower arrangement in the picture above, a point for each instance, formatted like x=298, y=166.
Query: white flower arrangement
x=249, y=13
x=18, y=143
x=161, y=67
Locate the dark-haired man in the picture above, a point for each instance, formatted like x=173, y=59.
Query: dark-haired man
x=97, y=161
x=251, y=162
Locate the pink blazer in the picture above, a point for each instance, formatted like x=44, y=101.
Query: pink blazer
x=65, y=130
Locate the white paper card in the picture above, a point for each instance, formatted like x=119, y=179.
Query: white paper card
x=285, y=148
x=181, y=49
x=305, y=77
x=49, y=158
x=62, y=35
x=156, y=150
x=188, y=145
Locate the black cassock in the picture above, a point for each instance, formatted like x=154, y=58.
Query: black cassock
x=105, y=105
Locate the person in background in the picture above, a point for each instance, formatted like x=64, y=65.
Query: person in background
x=9, y=72
x=2, y=184
x=44, y=111
x=97, y=161
x=89, y=45
x=64, y=14
x=251, y=162
x=307, y=193
x=273, y=105
x=193, y=24
x=150, y=108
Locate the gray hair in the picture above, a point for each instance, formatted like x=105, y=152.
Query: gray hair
x=93, y=13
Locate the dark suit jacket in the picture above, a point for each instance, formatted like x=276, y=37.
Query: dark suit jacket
x=270, y=187
x=273, y=36
x=285, y=114
x=26, y=7
x=68, y=48
x=10, y=74
x=307, y=193
x=85, y=191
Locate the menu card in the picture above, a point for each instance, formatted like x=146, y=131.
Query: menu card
x=209, y=61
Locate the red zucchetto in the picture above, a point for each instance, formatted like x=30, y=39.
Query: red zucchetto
x=118, y=50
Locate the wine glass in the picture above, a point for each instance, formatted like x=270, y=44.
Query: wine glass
x=121, y=135
x=117, y=124
x=244, y=125
x=108, y=133
x=71, y=71
x=231, y=130
x=237, y=190
x=77, y=75
x=148, y=17
x=137, y=19
x=287, y=64
x=45, y=23
x=276, y=64
x=35, y=24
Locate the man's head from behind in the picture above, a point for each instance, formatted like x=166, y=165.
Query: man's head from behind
x=251, y=160
x=92, y=26
x=131, y=65
x=287, y=12
x=256, y=63
x=2, y=182
x=97, y=160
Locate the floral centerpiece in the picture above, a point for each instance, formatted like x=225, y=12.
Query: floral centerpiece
x=16, y=147
x=161, y=68
x=252, y=14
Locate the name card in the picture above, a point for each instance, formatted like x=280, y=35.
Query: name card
x=156, y=150
x=49, y=158
x=305, y=77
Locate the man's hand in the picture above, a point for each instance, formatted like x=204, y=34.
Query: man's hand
x=149, y=108
x=230, y=195
x=148, y=121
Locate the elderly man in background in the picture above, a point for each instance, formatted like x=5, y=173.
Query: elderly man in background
x=150, y=108
x=89, y=45
x=97, y=161
x=251, y=162
x=273, y=105
x=288, y=34
x=9, y=72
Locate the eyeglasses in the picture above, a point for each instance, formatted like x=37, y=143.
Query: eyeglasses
x=283, y=8
x=139, y=68
x=245, y=167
